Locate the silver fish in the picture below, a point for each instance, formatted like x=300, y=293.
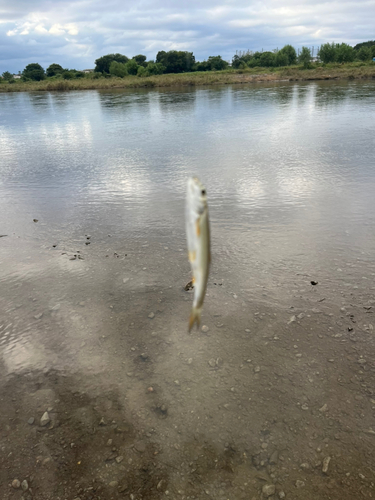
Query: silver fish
x=198, y=242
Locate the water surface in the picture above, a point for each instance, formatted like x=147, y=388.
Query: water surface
x=94, y=313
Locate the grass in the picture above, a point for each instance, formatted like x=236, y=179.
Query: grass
x=357, y=70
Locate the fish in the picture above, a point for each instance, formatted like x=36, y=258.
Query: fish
x=198, y=243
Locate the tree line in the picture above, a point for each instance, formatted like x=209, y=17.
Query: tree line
x=175, y=61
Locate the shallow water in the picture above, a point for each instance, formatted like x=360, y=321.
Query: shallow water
x=289, y=172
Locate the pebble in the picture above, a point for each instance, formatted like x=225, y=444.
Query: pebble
x=125, y=280
x=15, y=483
x=38, y=316
x=292, y=320
x=140, y=446
x=324, y=408
x=151, y=315
x=109, y=442
x=119, y=459
x=299, y=483
x=326, y=461
x=24, y=485
x=45, y=419
x=113, y=484
x=281, y=494
x=31, y=420
x=274, y=458
x=268, y=490
x=257, y=369
x=205, y=329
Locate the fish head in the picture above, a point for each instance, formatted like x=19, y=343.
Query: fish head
x=197, y=195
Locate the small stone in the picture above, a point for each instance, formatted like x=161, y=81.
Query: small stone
x=281, y=495
x=292, y=320
x=324, y=408
x=125, y=280
x=305, y=466
x=38, y=316
x=326, y=461
x=151, y=315
x=299, y=483
x=102, y=422
x=82, y=303
x=31, y=420
x=268, y=490
x=190, y=360
x=205, y=328
x=257, y=369
x=304, y=407
x=140, y=446
x=119, y=459
x=274, y=458
x=45, y=419
x=113, y=484
x=109, y=442
x=16, y=484
x=35, y=220
x=212, y=362
x=24, y=485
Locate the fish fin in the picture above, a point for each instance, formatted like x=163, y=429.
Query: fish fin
x=195, y=317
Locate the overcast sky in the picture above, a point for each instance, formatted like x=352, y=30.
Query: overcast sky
x=74, y=33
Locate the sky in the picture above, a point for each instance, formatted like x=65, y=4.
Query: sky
x=73, y=33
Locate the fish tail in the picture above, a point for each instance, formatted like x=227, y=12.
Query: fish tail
x=195, y=317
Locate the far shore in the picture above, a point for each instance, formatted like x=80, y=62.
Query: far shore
x=351, y=71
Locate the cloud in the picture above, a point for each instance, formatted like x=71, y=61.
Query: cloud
x=75, y=33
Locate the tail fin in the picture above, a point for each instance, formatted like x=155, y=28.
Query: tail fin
x=195, y=317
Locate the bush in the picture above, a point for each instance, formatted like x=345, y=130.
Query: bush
x=118, y=69
x=131, y=67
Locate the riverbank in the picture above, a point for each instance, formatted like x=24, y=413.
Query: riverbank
x=249, y=75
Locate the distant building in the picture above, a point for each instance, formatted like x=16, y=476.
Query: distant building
x=17, y=77
x=87, y=71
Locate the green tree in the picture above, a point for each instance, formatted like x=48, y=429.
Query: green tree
x=370, y=43
x=373, y=51
x=8, y=77
x=103, y=63
x=290, y=52
x=281, y=59
x=54, y=69
x=34, y=71
x=267, y=59
x=305, y=57
x=131, y=67
x=344, y=53
x=176, y=61
x=327, y=53
x=202, y=66
x=154, y=69
x=140, y=59
x=217, y=63
x=118, y=69
x=364, y=53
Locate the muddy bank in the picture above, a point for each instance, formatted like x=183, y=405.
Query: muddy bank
x=275, y=398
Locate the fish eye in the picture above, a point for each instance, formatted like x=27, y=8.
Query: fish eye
x=203, y=191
